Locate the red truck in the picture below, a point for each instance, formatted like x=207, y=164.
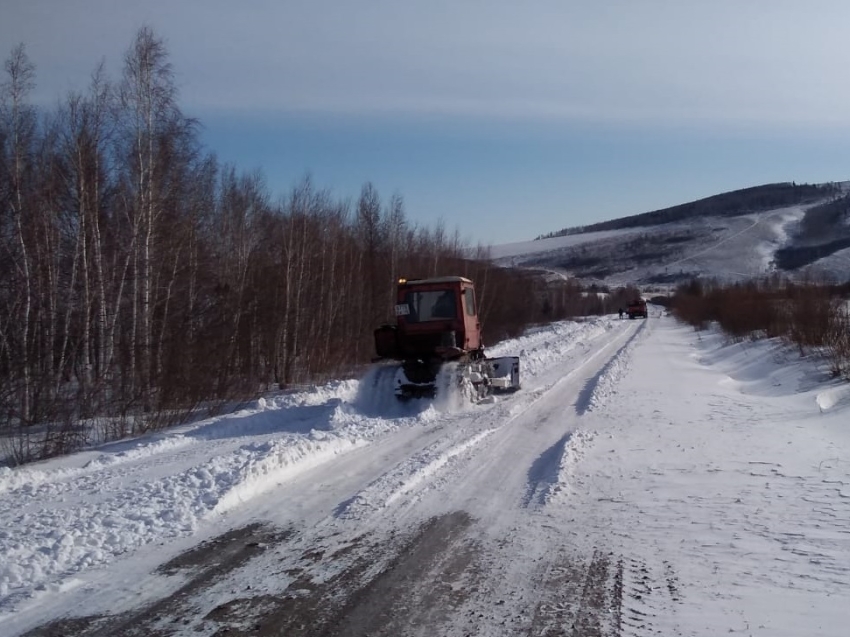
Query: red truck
x=637, y=308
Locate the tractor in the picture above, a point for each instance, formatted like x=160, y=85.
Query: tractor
x=437, y=327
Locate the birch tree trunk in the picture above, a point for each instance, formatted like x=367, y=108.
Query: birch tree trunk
x=19, y=118
x=148, y=96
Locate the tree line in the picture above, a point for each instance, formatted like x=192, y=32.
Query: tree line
x=813, y=316
x=141, y=279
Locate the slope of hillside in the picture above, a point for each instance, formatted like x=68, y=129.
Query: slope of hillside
x=728, y=204
x=810, y=238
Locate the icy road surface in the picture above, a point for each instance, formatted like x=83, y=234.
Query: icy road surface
x=646, y=480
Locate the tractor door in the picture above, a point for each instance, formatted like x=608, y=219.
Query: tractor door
x=472, y=326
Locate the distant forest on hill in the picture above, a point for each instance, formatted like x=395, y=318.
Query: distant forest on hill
x=729, y=204
x=823, y=230
x=823, y=221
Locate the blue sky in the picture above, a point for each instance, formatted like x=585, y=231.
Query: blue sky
x=505, y=119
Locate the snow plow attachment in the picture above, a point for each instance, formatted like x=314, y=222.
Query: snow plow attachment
x=477, y=379
x=504, y=373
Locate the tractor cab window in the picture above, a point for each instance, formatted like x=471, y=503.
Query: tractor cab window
x=469, y=301
x=431, y=305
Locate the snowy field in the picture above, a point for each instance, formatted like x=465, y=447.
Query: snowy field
x=646, y=480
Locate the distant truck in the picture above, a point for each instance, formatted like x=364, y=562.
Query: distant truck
x=636, y=308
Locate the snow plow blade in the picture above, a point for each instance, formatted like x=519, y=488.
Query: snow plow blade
x=505, y=373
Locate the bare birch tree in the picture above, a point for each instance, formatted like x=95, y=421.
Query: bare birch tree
x=148, y=101
x=18, y=120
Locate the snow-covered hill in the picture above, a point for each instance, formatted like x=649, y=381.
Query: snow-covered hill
x=726, y=247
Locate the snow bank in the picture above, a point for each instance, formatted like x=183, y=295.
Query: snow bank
x=833, y=396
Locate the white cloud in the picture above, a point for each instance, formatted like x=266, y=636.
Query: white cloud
x=733, y=62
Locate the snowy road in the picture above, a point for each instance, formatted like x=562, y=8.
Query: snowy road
x=646, y=480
